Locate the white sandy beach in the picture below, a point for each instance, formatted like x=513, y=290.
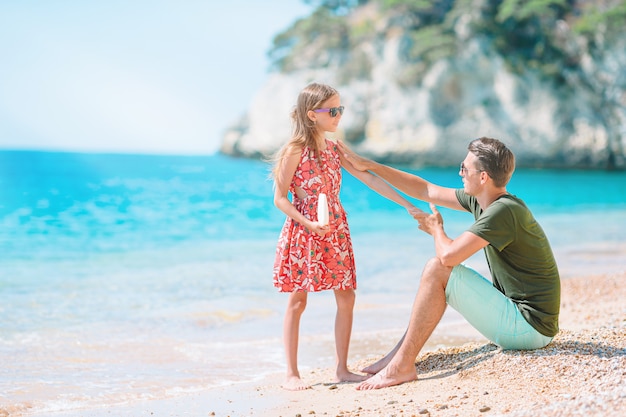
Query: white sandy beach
x=581, y=373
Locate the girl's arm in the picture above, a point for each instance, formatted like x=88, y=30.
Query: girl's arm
x=379, y=185
x=410, y=184
x=284, y=176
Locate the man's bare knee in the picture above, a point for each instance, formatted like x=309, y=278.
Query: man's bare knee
x=436, y=273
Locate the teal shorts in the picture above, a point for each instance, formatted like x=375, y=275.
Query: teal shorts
x=493, y=314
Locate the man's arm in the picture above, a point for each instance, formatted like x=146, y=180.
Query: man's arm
x=409, y=184
x=377, y=184
x=451, y=252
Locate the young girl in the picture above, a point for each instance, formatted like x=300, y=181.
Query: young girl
x=312, y=256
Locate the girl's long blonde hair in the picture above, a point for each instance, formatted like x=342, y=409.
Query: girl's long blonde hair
x=303, y=130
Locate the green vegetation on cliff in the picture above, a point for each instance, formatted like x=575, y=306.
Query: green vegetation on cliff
x=548, y=36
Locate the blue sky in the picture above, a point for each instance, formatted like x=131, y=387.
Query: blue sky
x=146, y=76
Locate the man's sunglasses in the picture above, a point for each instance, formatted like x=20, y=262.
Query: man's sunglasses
x=333, y=111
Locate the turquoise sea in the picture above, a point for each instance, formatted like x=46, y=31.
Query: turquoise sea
x=134, y=277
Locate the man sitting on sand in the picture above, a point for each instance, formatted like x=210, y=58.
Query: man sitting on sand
x=520, y=309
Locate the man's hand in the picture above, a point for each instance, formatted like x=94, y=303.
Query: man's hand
x=357, y=161
x=429, y=222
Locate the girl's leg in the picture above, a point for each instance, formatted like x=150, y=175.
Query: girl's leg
x=343, y=330
x=291, y=329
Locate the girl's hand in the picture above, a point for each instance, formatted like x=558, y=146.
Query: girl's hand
x=319, y=229
x=416, y=213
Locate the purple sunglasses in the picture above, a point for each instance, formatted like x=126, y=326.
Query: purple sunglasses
x=333, y=111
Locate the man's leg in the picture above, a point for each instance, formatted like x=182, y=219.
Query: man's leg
x=428, y=308
x=492, y=313
x=377, y=366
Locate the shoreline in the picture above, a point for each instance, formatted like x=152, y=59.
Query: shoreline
x=582, y=372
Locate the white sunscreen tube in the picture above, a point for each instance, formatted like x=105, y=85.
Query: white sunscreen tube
x=322, y=210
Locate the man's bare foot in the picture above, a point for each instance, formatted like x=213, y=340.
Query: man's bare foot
x=294, y=383
x=377, y=366
x=380, y=364
x=388, y=377
x=347, y=376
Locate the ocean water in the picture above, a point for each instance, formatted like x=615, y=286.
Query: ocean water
x=133, y=277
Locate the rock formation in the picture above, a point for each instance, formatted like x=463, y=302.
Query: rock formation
x=579, y=122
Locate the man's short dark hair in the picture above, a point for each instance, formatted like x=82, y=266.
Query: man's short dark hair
x=494, y=158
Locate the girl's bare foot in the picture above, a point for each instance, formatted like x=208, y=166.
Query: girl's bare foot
x=294, y=383
x=347, y=376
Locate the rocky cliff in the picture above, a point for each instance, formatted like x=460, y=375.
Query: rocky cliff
x=418, y=112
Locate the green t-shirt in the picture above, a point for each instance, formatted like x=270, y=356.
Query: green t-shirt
x=520, y=259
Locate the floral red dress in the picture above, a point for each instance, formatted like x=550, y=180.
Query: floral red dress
x=304, y=260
